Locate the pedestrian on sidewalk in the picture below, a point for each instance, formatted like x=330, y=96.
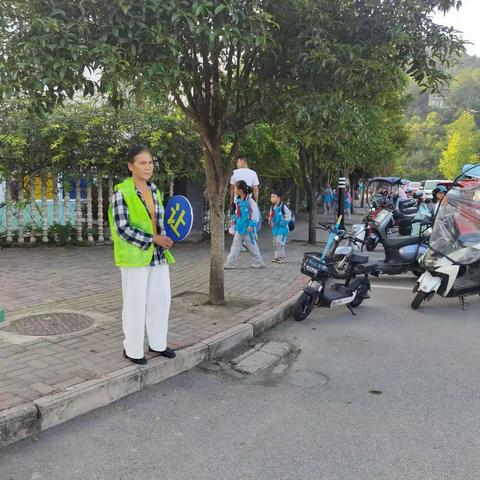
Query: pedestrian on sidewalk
x=327, y=199
x=280, y=216
x=249, y=176
x=334, y=200
x=347, y=203
x=141, y=251
x=245, y=221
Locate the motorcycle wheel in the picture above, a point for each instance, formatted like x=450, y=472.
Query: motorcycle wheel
x=340, y=272
x=418, y=300
x=361, y=285
x=303, y=306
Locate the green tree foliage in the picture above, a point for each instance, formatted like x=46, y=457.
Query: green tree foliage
x=23, y=144
x=343, y=63
x=273, y=155
x=463, y=145
x=92, y=137
x=427, y=125
x=203, y=52
x=464, y=91
x=223, y=61
x=423, y=148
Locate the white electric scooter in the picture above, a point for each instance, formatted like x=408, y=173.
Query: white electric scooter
x=452, y=262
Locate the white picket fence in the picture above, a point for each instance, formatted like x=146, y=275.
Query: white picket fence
x=29, y=219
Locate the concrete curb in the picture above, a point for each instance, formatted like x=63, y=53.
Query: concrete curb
x=31, y=418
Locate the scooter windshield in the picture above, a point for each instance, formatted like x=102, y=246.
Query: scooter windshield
x=456, y=230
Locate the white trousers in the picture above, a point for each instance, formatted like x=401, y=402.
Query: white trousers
x=236, y=248
x=279, y=242
x=146, y=303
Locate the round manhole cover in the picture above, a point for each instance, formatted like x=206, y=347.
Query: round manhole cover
x=49, y=324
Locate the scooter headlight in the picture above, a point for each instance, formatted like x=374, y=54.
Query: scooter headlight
x=429, y=260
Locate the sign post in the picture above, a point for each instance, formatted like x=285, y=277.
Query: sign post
x=341, y=198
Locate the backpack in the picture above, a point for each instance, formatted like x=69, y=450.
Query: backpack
x=250, y=211
x=291, y=223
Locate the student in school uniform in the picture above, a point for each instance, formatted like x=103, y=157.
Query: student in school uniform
x=280, y=216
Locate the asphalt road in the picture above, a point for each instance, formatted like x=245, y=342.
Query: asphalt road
x=388, y=394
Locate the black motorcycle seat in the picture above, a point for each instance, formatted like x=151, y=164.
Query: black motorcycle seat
x=410, y=211
x=402, y=204
x=400, y=242
x=357, y=259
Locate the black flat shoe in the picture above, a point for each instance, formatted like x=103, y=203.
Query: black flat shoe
x=168, y=352
x=138, y=361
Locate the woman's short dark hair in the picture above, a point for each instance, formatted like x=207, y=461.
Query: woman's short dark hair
x=242, y=185
x=133, y=152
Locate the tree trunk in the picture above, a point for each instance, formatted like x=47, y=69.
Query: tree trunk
x=297, y=198
x=216, y=190
x=310, y=194
x=312, y=220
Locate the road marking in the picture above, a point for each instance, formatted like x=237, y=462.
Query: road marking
x=393, y=287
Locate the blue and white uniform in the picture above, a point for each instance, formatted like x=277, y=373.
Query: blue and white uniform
x=280, y=216
x=246, y=217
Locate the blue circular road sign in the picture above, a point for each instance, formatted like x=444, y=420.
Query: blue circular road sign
x=178, y=219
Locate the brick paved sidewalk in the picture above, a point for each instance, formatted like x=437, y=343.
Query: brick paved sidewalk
x=85, y=281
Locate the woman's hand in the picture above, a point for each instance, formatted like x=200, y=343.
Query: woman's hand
x=249, y=229
x=163, y=241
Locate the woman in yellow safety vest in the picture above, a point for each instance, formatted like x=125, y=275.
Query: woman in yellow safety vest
x=142, y=253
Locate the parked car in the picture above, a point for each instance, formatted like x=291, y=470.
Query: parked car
x=414, y=186
x=429, y=186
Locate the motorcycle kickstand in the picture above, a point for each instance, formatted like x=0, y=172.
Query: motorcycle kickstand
x=463, y=302
x=351, y=310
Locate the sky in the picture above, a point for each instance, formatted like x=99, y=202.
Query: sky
x=465, y=20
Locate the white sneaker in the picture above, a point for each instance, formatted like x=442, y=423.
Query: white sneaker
x=229, y=267
x=281, y=260
x=243, y=249
x=258, y=265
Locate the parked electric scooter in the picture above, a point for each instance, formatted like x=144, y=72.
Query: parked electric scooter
x=402, y=254
x=344, y=244
x=452, y=262
x=404, y=211
x=351, y=293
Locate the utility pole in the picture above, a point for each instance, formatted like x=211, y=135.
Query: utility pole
x=341, y=197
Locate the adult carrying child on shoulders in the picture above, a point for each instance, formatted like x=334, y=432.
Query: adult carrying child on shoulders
x=280, y=218
x=244, y=227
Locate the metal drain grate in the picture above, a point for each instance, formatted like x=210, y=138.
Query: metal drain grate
x=46, y=324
